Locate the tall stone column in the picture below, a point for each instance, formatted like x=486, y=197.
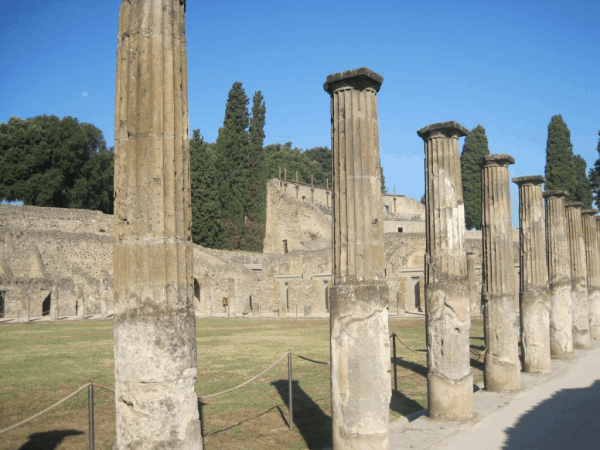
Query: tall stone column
x=447, y=299
x=501, y=328
x=592, y=253
x=534, y=291
x=154, y=320
x=54, y=306
x=559, y=276
x=231, y=310
x=472, y=283
x=579, y=294
x=360, y=349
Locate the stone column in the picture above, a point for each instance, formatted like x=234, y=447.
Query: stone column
x=103, y=302
x=80, y=301
x=500, y=306
x=559, y=276
x=590, y=232
x=154, y=320
x=231, y=296
x=474, y=296
x=534, y=291
x=283, y=293
x=54, y=303
x=360, y=349
x=207, y=288
x=579, y=294
x=447, y=301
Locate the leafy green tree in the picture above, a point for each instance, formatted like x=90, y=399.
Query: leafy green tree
x=560, y=164
x=47, y=161
x=583, y=191
x=322, y=156
x=595, y=176
x=475, y=146
x=258, y=182
x=383, y=188
x=207, y=229
x=295, y=161
x=234, y=165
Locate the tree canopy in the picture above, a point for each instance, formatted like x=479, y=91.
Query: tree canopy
x=583, y=191
x=594, y=177
x=47, y=161
x=475, y=146
x=560, y=165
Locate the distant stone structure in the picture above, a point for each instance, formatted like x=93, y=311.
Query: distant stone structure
x=592, y=252
x=559, y=276
x=360, y=349
x=501, y=327
x=447, y=300
x=154, y=320
x=534, y=289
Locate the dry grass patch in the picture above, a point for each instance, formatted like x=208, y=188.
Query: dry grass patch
x=42, y=363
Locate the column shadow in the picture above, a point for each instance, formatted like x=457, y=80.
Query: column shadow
x=48, y=440
x=412, y=366
x=313, y=424
x=568, y=419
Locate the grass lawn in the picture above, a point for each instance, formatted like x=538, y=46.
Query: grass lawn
x=42, y=363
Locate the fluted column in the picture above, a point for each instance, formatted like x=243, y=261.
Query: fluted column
x=501, y=328
x=534, y=293
x=447, y=302
x=592, y=254
x=579, y=294
x=475, y=297
x=154, y=320
x=360, y=353
x=559, y=276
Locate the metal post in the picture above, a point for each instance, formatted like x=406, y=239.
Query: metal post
x=91, y=413
x=291, y=420
x=395, y=367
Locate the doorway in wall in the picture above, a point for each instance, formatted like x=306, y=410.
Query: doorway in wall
x=46, y=305
x=2, y=305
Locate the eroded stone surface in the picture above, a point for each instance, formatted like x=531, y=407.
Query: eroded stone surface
x=360, y=351
x=592, y=253
x=534, y=289
x=447, y=300
x=559, y=276
x=501, y=328
x=154, y=321
x=579, y=294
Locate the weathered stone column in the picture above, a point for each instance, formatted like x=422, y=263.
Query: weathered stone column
x=54, y=303
x=207, y=288
x=534, y=291
x=360, y=349
x=590, y=232
x=103, y=302
x=579, y=294
x=559, y=276
x=80, y=301
x=231, y=296
x=501, y=327
x=154, y=320
x=447, y=300
x=474, y=296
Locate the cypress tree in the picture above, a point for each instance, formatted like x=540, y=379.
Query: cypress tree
x=560, y=164
x=583, y=191
x=258, y=183
x=476, y=146
x=206, y=208
x=233, y=165
x=595, y=177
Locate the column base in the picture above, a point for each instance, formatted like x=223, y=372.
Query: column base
x=450, y=399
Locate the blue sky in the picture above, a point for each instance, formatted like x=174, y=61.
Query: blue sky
x=508, y=66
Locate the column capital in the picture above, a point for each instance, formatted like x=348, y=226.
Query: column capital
x=556, y=194
x=589, y=212
x=356, y=78
x=530, y=179
x=578, y=205
x=496, y=160
x=448, y=129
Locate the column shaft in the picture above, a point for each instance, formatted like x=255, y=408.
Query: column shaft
x=447, y=302
x=534, y=292
x=360, y=352
x=154, y=320
x=592, y=254
x=559, y=276
x=475, y=297
x=502, y=367
x=579, y=294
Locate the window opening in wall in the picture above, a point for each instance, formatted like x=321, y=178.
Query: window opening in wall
x=303, y=198
x=250, y=302
x=326, y=296
x=46, y=305
x=285, y=248
x=400, y=230
x=196, y=290
x=387, y=208
x=1, y=304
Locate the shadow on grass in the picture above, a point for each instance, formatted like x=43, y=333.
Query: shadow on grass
x=48, y=440
x=312, y=423
x=404, y=405
x=412, y=366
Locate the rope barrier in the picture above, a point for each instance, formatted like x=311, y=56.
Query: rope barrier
x=394, y=335
x=47, y=409
x=206, y=397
